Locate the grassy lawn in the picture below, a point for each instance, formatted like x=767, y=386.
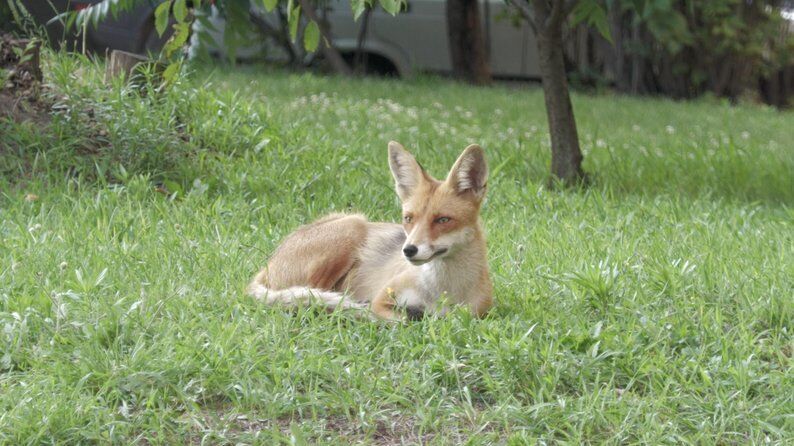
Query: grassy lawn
x=654, y=307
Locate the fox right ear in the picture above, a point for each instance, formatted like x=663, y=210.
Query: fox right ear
x=406, y=171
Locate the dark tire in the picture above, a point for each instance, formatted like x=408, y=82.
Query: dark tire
x=152, y=43
x=374, y=65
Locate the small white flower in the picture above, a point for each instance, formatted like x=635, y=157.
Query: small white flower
x=670, y=129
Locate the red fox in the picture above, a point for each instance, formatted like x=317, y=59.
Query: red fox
x=436, y=258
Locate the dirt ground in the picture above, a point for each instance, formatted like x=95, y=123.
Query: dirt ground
x=20, y=92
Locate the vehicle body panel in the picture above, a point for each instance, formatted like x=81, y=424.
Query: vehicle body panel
x=414, y=40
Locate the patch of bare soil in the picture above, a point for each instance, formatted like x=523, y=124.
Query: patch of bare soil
x=400, y=430
x=392, y=430
x=20, y=82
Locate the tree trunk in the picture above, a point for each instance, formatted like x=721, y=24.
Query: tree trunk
x=466, y=42
x=566, y=157
x=617, y=50
x=547, y=20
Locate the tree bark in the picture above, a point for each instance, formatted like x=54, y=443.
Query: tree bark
x=566, y=156
x=466, y=42
x=637, y=61
x=617, y=50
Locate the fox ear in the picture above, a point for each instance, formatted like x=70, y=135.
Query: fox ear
x=470, y=172
x=406, y=171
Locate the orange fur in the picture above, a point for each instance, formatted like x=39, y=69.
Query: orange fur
x=344, y=260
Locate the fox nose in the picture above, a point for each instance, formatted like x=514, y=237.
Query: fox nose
x=410, y=251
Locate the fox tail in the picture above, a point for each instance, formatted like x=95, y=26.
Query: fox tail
x=303, y=297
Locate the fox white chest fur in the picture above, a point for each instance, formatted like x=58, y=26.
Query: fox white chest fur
x=437, y=256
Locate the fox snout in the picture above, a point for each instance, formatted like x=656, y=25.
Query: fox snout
x=410, y=250
x=422, y=253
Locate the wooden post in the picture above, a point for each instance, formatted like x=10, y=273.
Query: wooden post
x=122, y=63
x=32, y=58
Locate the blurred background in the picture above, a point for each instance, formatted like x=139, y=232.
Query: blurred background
x=736, y=49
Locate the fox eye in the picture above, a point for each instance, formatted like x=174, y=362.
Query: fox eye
x=407, y=218
x=443, y=220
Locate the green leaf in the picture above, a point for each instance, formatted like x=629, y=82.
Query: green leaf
x=100, y=11
x=173, y=188
x=180, y=10
x=311, y=37
x=171, y=71
x=603, y=28
x=591, y=12
x=181, y=34
x=269, y=4
x=294, y=19
x=582, y=11
x=358, y=7
x=161, y=17
x=391, y=6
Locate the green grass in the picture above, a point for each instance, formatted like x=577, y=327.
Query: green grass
x=654, y=307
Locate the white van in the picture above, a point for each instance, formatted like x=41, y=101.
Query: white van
x=416, y=39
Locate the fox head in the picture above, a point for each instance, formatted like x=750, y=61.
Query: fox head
x=439, y=217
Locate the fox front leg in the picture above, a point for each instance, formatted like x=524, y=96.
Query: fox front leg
x=385, y=304
x=392, y=300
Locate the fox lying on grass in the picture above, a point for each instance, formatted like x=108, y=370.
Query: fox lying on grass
x=436, y=257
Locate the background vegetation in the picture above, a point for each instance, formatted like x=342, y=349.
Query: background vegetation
x=683, y=49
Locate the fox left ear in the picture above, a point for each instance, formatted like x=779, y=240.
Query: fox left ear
x=408, y=175
x=470, y=172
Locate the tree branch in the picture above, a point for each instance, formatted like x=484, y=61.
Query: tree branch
x=569, y=5
x=276, y=34
x=329, y=51
x=523, y=8
x=559, y=10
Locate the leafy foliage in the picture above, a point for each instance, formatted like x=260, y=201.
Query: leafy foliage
x=685, y=48
x=593, y=13
x=14, y=16
x=182, y=13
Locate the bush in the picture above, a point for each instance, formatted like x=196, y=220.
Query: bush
x=686, y=48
